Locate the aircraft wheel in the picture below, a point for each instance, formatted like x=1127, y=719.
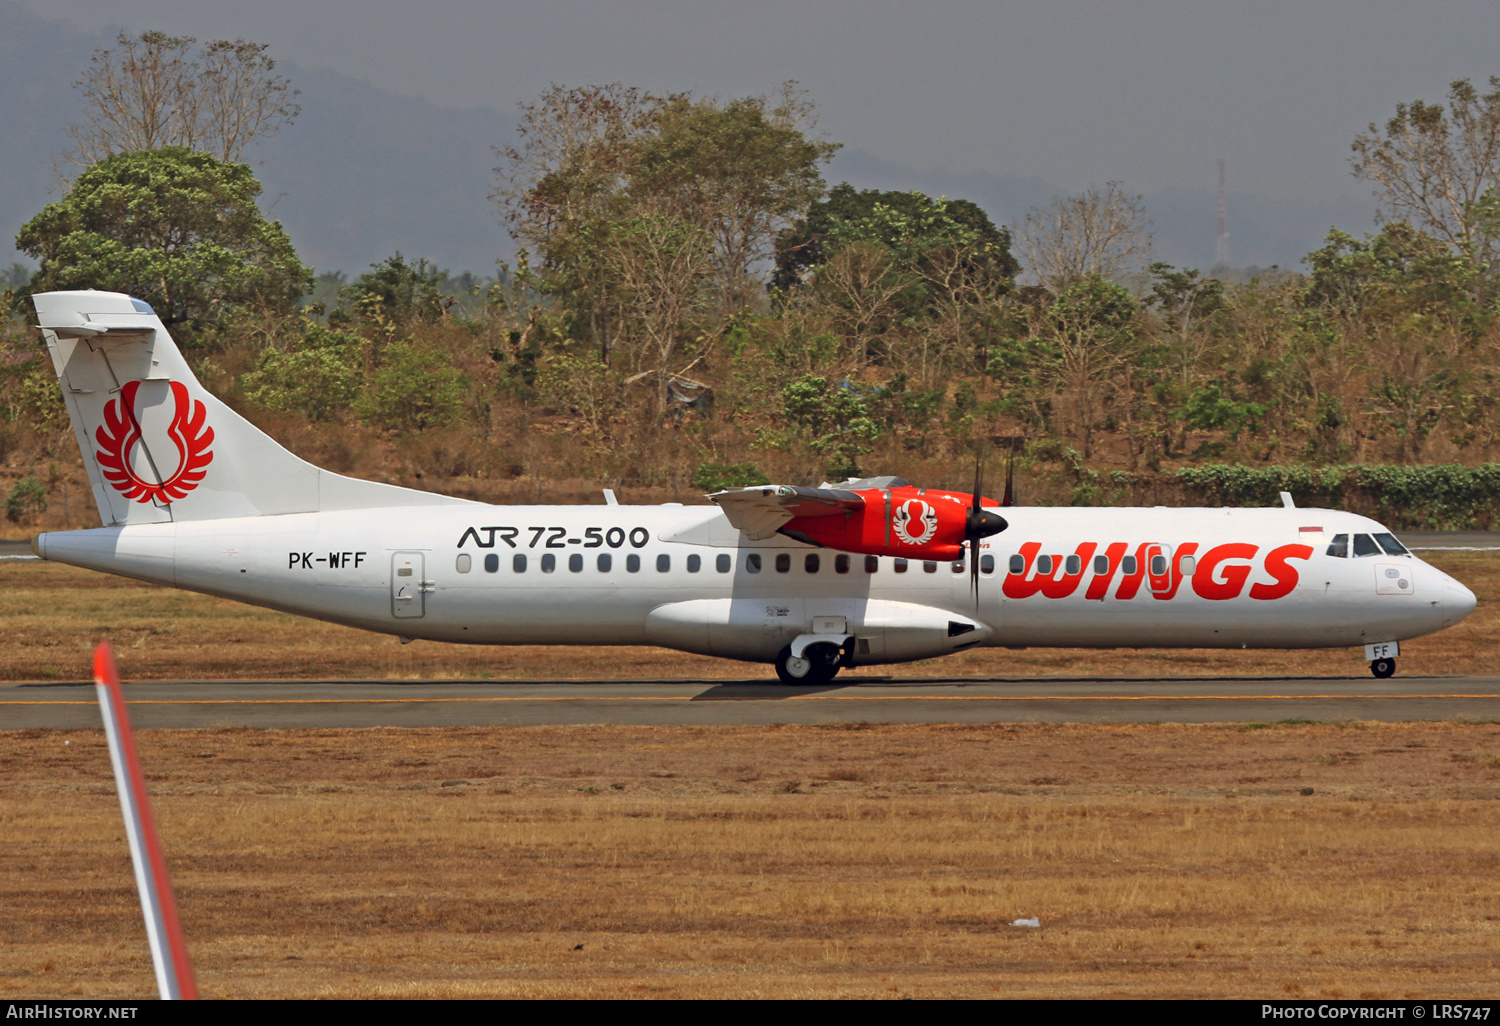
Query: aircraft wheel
x=1383, y=668
x=814, y=666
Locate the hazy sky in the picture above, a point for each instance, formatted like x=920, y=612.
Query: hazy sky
x=1075, y=92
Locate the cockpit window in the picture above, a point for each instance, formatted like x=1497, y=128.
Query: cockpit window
x=1364, y=545
x=1340, y=546
x=1391, y=545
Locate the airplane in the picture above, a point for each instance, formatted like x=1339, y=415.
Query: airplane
x=811, y=580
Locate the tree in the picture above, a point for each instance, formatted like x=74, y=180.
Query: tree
x=176, y=228
x=876, y=256
x=154, y=92
x=743, y=171
x=562, y=187
x=1390, y=277
x=1099, y=234
x=400, y=290
x=861, y=285
x=416, y=387
x=911, y=224
x=597, y=157
x=1432, y=167
x=839, y=418
x=662, y=263
x=1091, y=323
x=320, y=377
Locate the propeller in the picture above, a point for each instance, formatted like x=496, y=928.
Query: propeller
x=980, y=523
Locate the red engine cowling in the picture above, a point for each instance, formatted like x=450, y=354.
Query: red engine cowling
x=916, y=523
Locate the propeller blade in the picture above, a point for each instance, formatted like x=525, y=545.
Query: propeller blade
x=976, y=524
x=974, y=569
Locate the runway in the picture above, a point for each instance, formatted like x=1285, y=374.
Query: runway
x=376, y=703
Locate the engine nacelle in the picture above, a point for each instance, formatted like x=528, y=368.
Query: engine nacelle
x=877, y=631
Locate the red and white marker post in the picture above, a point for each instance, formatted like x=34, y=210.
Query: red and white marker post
x=174, y=973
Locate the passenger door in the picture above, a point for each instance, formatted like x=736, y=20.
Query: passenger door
x=409, y=586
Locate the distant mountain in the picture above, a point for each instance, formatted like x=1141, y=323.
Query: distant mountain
x=38, y=62
x=1262, y=230
x=363, y=172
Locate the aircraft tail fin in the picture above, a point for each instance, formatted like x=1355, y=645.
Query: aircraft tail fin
x=157, y=446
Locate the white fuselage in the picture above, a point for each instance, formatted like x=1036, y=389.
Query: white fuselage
x=678, y=576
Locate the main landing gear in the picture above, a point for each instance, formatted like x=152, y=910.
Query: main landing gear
x=818, y=664
x=1383, y=668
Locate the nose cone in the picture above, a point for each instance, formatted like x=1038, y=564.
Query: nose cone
x=1458, y=601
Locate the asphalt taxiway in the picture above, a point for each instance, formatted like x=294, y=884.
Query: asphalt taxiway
x=391, y=703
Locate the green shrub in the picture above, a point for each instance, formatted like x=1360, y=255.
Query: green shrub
x=1447, y=497
x=26, y=500
x=319, y=377
x=716, y=477
x=416, y=387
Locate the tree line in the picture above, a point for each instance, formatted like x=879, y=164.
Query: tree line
x=692, y=304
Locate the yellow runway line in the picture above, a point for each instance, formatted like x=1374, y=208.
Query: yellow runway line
x=691, y=698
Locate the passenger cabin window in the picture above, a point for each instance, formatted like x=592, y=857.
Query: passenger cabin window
x=1364, y=545
x=695, y=563
x=929, y=566
x=549, y=563
x=783, y=562
x=1044, y=565
x=1101, y=565
x=1129, y=565
x=986, y=564
x=464, y=563
x=1339, y=546
x=899, y=565
x=517, y=563
x=1158, y=566
x=724, y=563
x=575, y=563
x=633, y=563
x=1188, y=565
x=491, y=563
x=841, y=564
x=958, y=566
x=872, y=564
x=1017, y=564
x=811, y=563
x=606, y=561
x=663, y=563
x=1391, y=545
x=752, y=562
x=1073, y=564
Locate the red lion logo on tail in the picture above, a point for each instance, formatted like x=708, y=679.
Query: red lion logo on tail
x=121, y=432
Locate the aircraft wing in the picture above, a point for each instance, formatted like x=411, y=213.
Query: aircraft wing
x=760, y=512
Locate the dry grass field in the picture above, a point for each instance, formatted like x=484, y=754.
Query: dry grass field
x=55, y=614
x=867, y=861
x=1236, y=860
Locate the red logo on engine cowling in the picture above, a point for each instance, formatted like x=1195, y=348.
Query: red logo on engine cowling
x=915, y=522
x=189, y=435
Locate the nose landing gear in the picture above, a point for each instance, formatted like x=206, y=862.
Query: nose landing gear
x=1383, y=668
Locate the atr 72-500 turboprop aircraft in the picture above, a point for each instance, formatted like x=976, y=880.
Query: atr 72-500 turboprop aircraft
x=810, y=579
